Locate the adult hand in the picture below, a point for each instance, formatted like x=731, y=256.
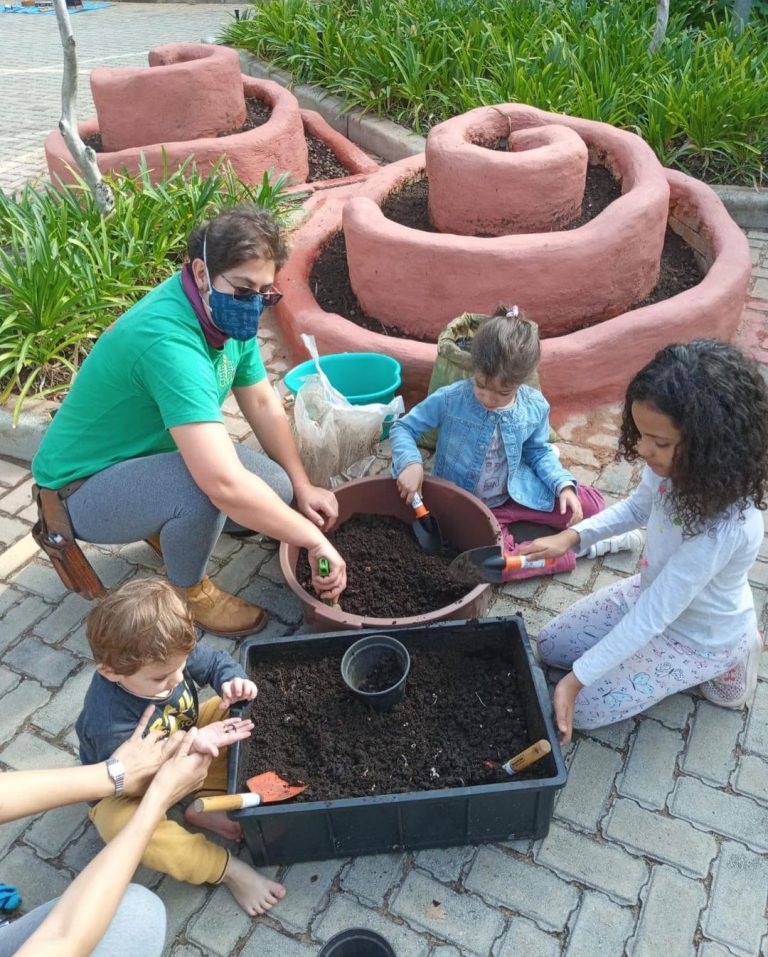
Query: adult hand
x=550, y=546
x=568, y=499
x=330, y=586
x=220, y=734
x=318, y=504
x=410, y=480
x=238, y=689
x=566, y=692
x=181, y=774
x=143, y=753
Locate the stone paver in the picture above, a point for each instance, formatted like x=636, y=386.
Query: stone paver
x=669, y=915
x=649, y=774
x=654, y=807
x=735, y=915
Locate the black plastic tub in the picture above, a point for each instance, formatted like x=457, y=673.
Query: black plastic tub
x=317, y=830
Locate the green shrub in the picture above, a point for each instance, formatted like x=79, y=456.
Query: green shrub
x=701, y=101
x=66, y=273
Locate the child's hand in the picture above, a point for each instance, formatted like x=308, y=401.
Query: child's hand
x=238, y=689
x=182, y=773
x=220, y=734
x=409, y=481
x=552, y=546
x=566, y=692
x=568, y=499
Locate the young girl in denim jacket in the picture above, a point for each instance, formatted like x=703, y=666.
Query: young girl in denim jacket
x=697, y=414
x=493, y=441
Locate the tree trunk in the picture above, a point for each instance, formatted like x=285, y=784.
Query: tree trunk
x=82, y=154
x=660, y=30
x=741, y=12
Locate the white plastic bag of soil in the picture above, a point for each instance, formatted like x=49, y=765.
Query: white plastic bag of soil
x=336, y=440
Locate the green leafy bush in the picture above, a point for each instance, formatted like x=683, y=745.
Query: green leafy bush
x=66, y=273
x=701, y=101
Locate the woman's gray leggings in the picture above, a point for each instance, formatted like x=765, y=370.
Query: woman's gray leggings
x=137, y=498
x=138, y=927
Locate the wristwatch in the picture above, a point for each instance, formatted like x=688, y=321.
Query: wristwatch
x=116, y=771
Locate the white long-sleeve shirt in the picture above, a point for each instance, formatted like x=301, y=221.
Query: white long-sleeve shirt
x=695, y=590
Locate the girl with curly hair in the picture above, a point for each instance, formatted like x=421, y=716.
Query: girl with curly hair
x=697, y=415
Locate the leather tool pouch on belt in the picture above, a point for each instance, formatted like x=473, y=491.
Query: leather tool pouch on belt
x=54, y=534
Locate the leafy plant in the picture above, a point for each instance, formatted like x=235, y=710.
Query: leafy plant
x=701, y=101
x=66, y=273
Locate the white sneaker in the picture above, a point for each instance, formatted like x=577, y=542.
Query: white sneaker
x=736, y=687
x=628, y=542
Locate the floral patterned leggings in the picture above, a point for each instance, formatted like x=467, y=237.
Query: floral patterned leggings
x=662, y=667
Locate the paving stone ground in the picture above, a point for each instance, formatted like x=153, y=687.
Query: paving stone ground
x=659, y=843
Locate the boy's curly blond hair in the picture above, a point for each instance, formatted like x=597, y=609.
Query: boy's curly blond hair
x=142, y=622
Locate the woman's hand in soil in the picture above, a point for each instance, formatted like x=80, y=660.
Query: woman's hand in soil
x=329, y=586
x=318, y=504
x=566, y=692
x=220, y=734
x=568, y=499
x=410, y=480
x=238, y=689
x=551, y=546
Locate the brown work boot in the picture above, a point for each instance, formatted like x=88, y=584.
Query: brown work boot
x=221, y=613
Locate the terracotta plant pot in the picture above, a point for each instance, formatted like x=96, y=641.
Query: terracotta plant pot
x=465, y=523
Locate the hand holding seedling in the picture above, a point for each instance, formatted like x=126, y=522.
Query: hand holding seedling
x=220, y=734
x=318, y=504
x=238, y=689
x=410, y=480
x=144, y=752
x=566, y=692
x=329, y=586
x=550, y=546
x=568, y=499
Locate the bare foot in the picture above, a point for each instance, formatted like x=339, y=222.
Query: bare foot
x=255, y=893
x=216, y=822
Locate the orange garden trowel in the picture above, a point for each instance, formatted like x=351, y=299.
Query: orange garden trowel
x=489, y=565
x=266, y=788
x=426, y=528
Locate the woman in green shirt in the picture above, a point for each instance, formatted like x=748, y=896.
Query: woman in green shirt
x=139, y=449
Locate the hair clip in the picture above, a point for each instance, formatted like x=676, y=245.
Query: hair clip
x=513, y=312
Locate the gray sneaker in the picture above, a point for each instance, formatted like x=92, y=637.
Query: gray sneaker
x=736, y=687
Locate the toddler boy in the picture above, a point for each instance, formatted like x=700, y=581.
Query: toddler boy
x=144, y=643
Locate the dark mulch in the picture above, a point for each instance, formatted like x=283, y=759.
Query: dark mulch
x=679, y=271
x=461, y=718
x=388, y=575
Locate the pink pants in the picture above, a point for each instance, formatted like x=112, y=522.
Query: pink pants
x=591, y=501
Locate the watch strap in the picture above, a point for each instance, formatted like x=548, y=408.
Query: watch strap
x=116, y=771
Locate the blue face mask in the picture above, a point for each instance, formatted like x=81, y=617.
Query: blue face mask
x=236, y=316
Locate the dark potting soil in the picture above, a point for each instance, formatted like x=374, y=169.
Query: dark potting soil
x=322, y=160
x=388, y=575
x=385, y=674
x=330, y=283
x=462, y=717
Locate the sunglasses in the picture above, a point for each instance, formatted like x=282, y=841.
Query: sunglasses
x=245, y=294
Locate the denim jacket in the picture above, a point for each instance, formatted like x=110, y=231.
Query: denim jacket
x=465, y=430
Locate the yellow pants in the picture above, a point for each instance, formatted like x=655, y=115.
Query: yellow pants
x=173, y=849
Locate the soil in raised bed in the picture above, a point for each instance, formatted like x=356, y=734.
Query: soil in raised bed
x=388, y=575
x=461, y=718
x=408, y=206
x=322, y=160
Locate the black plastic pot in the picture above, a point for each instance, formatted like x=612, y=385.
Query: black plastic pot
x=318, y=830
x=357, y=942
x=361, y=659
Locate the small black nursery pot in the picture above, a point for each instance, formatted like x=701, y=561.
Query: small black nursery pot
x=357, y=942
x=375, y=670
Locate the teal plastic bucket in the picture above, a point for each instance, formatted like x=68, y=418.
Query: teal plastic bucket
x=361, y=377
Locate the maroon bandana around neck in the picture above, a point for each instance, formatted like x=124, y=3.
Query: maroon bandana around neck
x=213, y=336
